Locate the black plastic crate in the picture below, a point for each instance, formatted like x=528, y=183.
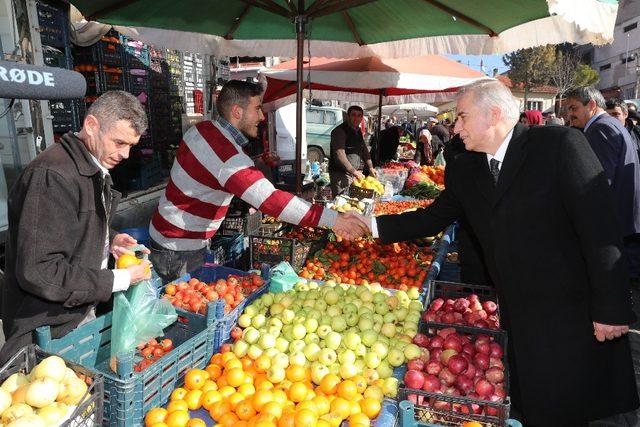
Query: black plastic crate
x=55, y=58
x=137, y=81
x=247, y=224
x=102, y=79
x=453, y=290
x=63, y=115
x=52, y=24
x=362, y=193
x=273, y=250
x=106, y=51
x=448, y=410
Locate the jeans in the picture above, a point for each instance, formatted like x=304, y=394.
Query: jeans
x=170, y=264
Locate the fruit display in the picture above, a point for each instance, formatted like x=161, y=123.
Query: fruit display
x=369, y=183
x=394, y=166
x=435, y=173
x=306, y=233
x=273, y=250
x=194, y=295
x=394, y=208
x=344, y=204
x=152, y=351
x=395, y=266
x=456, y=363
x=47, y=396
x=422, y=190
x=465, y=311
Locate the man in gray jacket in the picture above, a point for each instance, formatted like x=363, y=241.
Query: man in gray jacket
x=59, y=241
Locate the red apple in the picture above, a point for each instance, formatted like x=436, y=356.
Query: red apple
x=421, y=340
x=464, y=384
x=416, y=365
x=414, y=379
x=433, y=367
x=457, y=364
x=460, y=305
x=484, y=388
x=431, y=383
x=490, y=307
x=469, y=349
x=436, y=342
x=452, y=342
x=436, y=304
x=470, y=372
x=483, y=347
x=493, y=375
x=481, y=361
x=448, y=378
x=496, y=350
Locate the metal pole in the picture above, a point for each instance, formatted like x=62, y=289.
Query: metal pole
x=379, y=125
x=300, y=21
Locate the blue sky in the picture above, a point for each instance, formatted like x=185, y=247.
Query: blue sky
x=489, y=61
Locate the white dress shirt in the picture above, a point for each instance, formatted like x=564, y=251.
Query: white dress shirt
x=501, y=152
x=121, y=277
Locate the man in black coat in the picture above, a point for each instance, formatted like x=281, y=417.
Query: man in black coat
x=59, y=238
x=553, y=247
x=618, y=154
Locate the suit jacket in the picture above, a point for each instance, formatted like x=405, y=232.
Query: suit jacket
x=553, y=247
x=618, y=154
x=57, y=229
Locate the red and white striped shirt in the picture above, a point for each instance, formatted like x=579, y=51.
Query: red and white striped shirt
x=209, y=169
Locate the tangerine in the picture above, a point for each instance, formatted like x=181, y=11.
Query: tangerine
x=329, y=384
x=177, y=419
x=195, y=379
x=296, y=373
x=370, y=407
x=261, y=398
x=178, y=394
x=347, y=390
x=244, y=410
x=194, y=399
x=155, y=415
x=298, y=392
x=235, y=377
x=177, y=405
x=305, y=418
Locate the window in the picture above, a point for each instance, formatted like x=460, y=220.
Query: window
x=630, y=27
x=534, y=105
x=629, y=58
x=315, y=116
x=605, y=67
x=329, y=118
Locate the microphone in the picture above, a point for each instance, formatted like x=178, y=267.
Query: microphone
x=26, y=81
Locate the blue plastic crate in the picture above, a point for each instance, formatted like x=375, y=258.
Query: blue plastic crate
x=215, y=316
x=227, y=250
x=129, y=395
x=141, y=234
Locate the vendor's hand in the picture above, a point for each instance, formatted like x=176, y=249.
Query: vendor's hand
x=140, y=272
x=121, y=244
x=604, y=332
x=373, y=173
x=351, y=225
x=358, y=175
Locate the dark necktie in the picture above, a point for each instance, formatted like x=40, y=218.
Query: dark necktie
x=106, y=195
x=495, y=171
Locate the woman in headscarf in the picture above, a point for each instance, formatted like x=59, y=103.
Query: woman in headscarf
x=533, y=117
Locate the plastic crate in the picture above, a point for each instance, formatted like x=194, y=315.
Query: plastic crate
x=137, y=81
x=410, y=416
x=246, y=224
x=89, y=412
x=226, y=250
x=55, y=58
x=63, y=115
x=273, y=250
x=362, y=193
x=137, y=55
x=52, y=24
x=449, y=410
x=102, y=80
x=103, y=52
x=128, y=395
x=215, y=316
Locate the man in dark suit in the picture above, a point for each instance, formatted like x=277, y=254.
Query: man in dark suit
x=618, y=155
x=539, y=202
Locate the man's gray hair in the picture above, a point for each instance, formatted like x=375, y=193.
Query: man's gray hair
x=489, y=93
x=585, y=94
x=119, y=105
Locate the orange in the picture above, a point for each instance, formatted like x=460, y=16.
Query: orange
x=280, y=397
x=177, y=405
x=214, y=371
x=359, y=419
x=226, y=391
x=216, y=359
x=323, y=405
x=261, y=398
x=235, y=377
x=265, y=422
x=370, y=407
x=262, y=363
x=229, y=419
x=195, y=379
x=234, y=399
x=226, y=357
x=244, y=410
x=307, y=404
x=218, y=409
x=208, y=386
x=355, y=407
x=374, y=392
x=296, y=373
x=323, y=423
x=127, y=260
x=246, y=362
x=305, y=418
x=471, y=424
x=298, y=392
x=262, y=383
x=341, y=407
x=272, y=408
x=178, y=394
x=221, y=381
x=159, y=425
x=177, y=419
x=347, y=389
x=196, y=422
x=209, y=398
x=287, y=419
x=155, y=415
x=233, y=363
x=329, y=384
x=360, y=382
x=194, y=399
x=247, y=389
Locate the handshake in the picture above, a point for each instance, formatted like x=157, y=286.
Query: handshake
x=352, y=225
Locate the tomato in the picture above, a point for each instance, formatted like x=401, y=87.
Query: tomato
x=158, y=352
x=166, y=344
x=147, y=352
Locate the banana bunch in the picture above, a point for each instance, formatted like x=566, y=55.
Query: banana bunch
x=370, y=183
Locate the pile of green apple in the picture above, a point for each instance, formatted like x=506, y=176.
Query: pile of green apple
x=334, y=328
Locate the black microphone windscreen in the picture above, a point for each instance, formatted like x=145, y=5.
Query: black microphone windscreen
x=25, y=81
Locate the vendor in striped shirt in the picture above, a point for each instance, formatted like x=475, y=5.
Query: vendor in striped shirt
x=209, y=169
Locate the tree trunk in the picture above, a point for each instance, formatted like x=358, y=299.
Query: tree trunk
x=526, y=95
